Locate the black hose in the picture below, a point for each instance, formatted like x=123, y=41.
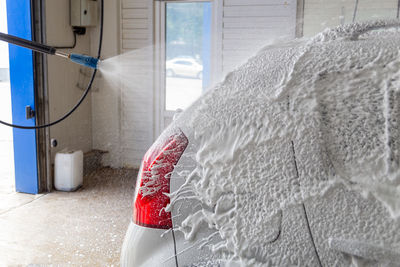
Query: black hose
x=38, y=47
x=84, y=94
x=355, y=11
x=398, y=9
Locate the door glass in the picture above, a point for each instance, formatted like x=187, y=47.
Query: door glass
x=6, y=137
x=188, y=45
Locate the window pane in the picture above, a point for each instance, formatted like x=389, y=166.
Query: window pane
x=188, y=34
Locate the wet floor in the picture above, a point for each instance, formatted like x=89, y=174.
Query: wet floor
x=83, y=228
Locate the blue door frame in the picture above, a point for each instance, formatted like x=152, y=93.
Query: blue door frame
x=19, y=19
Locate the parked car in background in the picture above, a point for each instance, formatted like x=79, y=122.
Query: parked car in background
x=293, y=160
x=185, y=67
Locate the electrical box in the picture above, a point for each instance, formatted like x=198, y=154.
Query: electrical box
x=84, y=13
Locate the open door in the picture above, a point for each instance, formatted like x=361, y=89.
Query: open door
x=19, y=18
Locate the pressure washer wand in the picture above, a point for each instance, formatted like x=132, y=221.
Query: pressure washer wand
x=84, y=60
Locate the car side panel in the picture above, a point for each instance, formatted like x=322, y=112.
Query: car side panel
x=291, y=244
x=346, y=221
x=349, y=219
x=148, y=247
x=188, y=253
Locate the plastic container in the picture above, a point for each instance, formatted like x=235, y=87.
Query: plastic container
x=68, y=170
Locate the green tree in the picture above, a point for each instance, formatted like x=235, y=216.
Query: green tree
x=184, y=26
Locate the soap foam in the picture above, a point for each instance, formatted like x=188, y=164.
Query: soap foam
x=291, y=123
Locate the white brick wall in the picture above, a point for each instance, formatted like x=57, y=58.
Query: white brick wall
x=106, y=96
x=248, y=25
x=75, y=132
x=137, y=103
x=123, y=106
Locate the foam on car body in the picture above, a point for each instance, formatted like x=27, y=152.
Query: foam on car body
x=329, y=104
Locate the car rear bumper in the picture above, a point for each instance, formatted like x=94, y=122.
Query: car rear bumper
x=147, y=247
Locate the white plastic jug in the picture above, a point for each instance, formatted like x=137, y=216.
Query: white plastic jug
x=68, y=170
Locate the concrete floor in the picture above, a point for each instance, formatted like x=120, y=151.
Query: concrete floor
x=82, y=228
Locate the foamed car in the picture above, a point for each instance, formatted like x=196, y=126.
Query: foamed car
x=184, y=67
x=293, y=160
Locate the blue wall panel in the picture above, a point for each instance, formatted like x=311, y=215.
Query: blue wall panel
x=22, y=95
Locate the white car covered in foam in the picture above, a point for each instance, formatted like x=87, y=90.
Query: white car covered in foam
x=293, y=160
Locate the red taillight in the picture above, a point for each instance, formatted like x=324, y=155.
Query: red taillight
x=154, y=181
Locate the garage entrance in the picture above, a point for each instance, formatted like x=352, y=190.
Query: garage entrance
x=18, y=149
x=7, y=183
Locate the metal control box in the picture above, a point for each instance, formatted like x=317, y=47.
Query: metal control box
x=84, y=13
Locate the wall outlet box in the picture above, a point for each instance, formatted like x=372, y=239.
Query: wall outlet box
x=84, y=13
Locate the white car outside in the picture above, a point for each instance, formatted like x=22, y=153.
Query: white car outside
x=185, y=67
x=293, y=160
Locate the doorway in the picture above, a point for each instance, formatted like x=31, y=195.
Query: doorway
x=7, y=174
x=18, y=156
x=185, y=32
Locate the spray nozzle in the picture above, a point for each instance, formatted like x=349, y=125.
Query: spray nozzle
x=84, y=60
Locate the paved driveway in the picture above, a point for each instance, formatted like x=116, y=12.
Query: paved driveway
x=181, y=92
